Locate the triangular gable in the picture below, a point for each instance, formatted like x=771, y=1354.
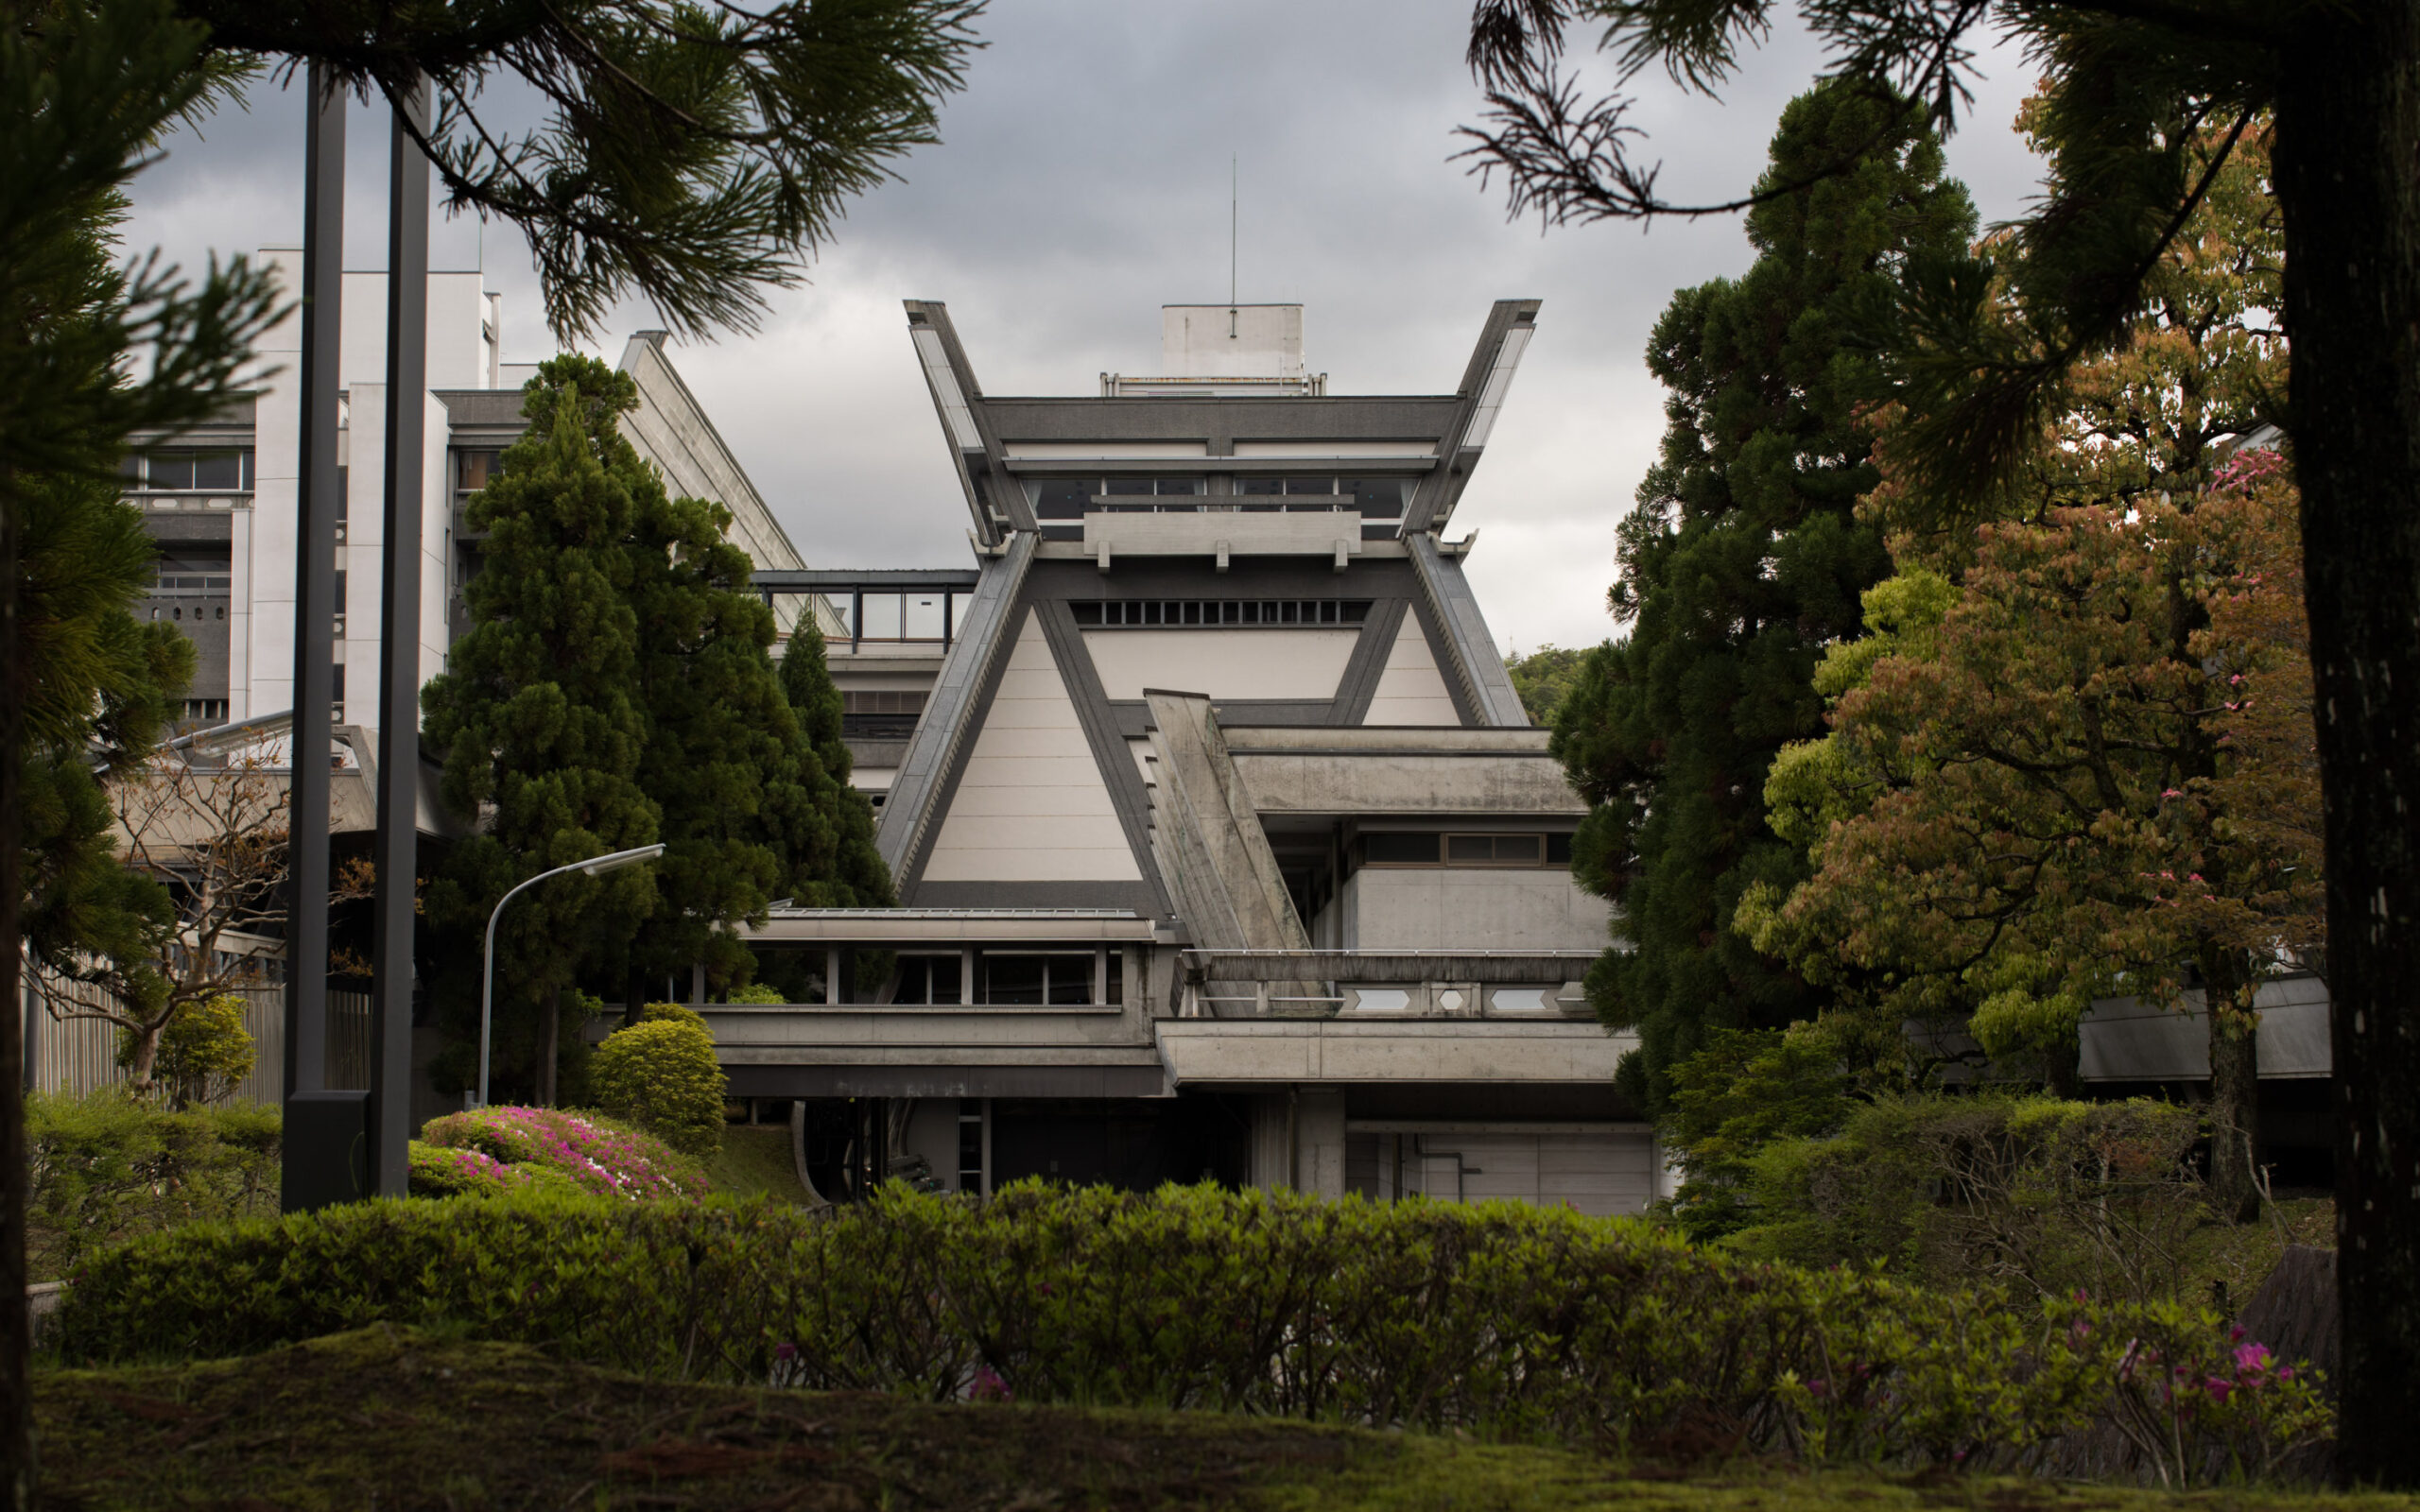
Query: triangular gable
x=1031, y=804
x=1410, y=690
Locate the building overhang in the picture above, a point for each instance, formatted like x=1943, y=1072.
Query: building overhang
x=949, y=926
x=1249, y=1051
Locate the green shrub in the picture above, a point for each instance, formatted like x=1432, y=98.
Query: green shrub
x=660, y=1073
x=2049, y=1195
x=202, y=1054
x=104, y=1167
x=1501, y=1320
x=580, y=1151
x=758, y=992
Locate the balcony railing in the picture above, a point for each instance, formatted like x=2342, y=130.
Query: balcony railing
x=1320, y=983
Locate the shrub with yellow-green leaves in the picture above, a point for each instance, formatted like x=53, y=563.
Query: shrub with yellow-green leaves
x=660, y=1073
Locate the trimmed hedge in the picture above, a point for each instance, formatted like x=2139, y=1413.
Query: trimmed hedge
x=104, y=1167
x=1504, y=1320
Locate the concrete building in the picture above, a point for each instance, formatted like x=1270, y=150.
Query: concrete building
x=222, y=498
x=1224, y=846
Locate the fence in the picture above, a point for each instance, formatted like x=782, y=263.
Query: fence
x=76, y=1055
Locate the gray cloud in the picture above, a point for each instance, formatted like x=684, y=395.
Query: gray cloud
x=1082, y=182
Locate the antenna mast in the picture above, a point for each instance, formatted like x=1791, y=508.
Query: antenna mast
x=1231, y=229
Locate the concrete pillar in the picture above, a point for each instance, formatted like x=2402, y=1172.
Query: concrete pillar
x=1319, y=1144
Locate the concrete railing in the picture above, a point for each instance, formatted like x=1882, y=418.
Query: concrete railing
x=1228, y=984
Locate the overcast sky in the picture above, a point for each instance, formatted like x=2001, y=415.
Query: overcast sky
x=1082, y=182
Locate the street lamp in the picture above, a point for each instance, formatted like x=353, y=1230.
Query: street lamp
x=595, y=866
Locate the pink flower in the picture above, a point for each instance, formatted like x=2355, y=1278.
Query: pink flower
x=2254, y=1357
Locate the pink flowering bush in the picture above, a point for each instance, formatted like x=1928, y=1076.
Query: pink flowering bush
x=591, y=1153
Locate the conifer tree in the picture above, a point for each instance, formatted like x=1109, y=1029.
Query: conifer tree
x=826, y=826
x=1742, y=561
x=539, y=717
x=718, y=737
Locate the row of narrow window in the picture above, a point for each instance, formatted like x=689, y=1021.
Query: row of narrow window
x=1221, y=612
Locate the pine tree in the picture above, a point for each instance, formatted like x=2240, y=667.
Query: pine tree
x=1742, y=560
x=539, y=717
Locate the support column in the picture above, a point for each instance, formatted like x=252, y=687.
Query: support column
x=397, y=848
x=306, y=926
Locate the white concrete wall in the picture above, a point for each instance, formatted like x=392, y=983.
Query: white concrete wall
x=1032, y=806
x=1231, y=341
x=1240, y=664
x=1474, y=908
x=1411, y=691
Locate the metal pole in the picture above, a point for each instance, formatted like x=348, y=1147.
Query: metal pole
x=396, y=849
x=592, y=865
x=307, y=925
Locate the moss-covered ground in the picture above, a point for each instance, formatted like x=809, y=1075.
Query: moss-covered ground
x=392, y=1420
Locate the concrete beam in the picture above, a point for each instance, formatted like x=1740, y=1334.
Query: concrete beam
x=1253, y=1052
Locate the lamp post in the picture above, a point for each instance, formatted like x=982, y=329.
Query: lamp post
x=595, y=866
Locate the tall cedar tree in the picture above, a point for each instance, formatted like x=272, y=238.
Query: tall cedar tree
x=752, y=810
x=826, y=826
x=1742, y=560
x=539, y=715
x=2128, y=89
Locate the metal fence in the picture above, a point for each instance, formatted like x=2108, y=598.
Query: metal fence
x=76, y=1055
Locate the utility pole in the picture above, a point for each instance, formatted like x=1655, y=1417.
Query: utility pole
x=306, y=1158
x=396, y=850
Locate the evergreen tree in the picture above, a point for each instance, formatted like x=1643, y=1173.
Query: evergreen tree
x=539, y=720
x=718, y=740
x=1742, y=560
x=826, y=826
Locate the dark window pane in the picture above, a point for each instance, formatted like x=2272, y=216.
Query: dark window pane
x=1310, y=484
x=944, y=979
x=1470, y=848
x=1116, y=976
x=1400, y=850
x=1122, y=486
x=218, y=469
x=130, y=467
x=1520, y=850
x=1071, y=981
x=1063, y=498
x=339, y=592
x=1180, y=486
x=1379, y=498
x=477, y=470
x=247, y=454
x=1260, y=485
x=344, y=494
x=172, y=469
x=1559, y=849
x=336, y=687
x=1012, y=981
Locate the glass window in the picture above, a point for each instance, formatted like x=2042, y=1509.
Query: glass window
x=1400, y=850
x=130, y=468
x=1125, y=485
x=339, y=591
x=1260, y=486
x=960, y=605
x=1379, y=498
x=171, y=470
x=1558, y=850
x=1064, y=498
x=1310, y=486
x=928, y=979
x=882, y=617
x=1495, y=849
x=924, y=616
x=1179, y=486
x=475, y=470
x=218, y=469
x=1014, y=981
